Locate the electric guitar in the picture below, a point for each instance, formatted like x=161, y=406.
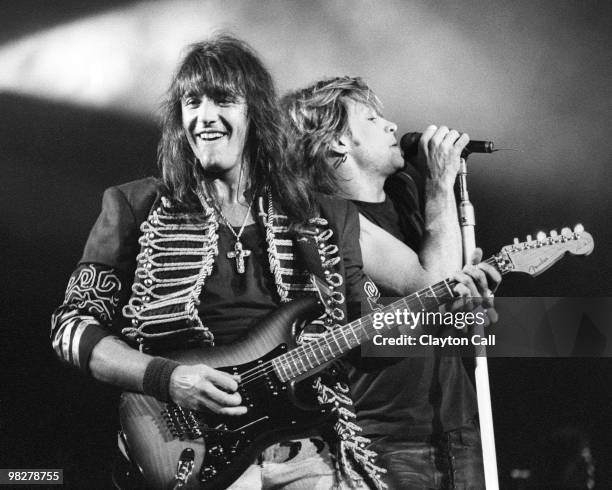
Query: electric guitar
x=179, y=448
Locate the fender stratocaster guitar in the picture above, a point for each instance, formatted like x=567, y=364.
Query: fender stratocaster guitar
x=179, y=448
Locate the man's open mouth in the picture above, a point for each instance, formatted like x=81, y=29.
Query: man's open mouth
x=211, y=135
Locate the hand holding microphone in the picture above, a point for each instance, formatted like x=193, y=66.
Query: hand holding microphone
x=438, y=154
x=409, y=143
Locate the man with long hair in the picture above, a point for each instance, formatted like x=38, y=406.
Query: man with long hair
x=200, y=255
x=422, y=428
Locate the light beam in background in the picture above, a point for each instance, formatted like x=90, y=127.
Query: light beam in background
x=123, y=59
x=120, y=60
x=522, y=74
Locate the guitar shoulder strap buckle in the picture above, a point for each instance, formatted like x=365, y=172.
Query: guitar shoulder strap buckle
x=323, y=292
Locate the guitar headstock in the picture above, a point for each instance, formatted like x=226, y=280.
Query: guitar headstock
x=535, y=256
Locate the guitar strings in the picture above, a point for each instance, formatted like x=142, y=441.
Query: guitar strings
x=263, y=369
x=285, y=360
x=299, y=353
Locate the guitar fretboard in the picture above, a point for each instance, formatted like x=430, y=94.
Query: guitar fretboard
x=341, y=340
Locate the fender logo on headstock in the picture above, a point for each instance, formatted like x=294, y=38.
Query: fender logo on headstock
x=535, y=256
x=534, y=268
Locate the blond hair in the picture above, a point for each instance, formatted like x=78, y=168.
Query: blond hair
x=315, y=117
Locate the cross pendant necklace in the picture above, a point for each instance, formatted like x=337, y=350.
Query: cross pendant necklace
x=239, y=253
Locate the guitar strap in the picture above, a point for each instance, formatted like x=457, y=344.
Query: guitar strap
x=308, y=250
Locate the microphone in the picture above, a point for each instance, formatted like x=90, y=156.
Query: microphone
x=409, y=144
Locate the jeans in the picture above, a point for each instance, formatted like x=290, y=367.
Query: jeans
x=452, y=460
x=303, y=464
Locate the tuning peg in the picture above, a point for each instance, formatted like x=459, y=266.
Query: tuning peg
x=541, y=236
x=553, y=234
x=566, y=232
x=578, y=229
x=528, y=238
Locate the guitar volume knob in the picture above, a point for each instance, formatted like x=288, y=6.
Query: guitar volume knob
x=216, y=451
x=208, y=472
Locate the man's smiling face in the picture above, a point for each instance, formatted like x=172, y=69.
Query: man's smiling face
x=216, y=130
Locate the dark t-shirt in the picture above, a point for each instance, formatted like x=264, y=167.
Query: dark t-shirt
x=233, y=303
x=415, y=396
x=386, y=216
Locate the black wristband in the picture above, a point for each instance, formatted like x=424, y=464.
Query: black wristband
x=156, y=379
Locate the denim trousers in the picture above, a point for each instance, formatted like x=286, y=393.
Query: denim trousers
x=303, y=464
x=451, y=460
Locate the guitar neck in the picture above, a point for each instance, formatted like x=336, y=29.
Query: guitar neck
x=332, y=345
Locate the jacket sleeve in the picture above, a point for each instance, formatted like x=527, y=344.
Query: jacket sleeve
x=91, y=305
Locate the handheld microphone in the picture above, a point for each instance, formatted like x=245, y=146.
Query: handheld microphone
x=409, y=144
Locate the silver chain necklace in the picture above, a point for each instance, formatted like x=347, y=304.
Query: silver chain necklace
x=239, y=253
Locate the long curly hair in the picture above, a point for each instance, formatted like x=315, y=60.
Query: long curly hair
x=226, y=65
x=315, y=117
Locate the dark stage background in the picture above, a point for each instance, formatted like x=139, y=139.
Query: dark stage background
x=80, y=84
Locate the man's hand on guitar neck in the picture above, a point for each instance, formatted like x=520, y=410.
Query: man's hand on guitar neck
x=476, y=283
x=201, y=387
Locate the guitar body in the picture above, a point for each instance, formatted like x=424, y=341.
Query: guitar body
x=224, y=446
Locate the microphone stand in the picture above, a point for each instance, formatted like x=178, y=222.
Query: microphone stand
x=467, y=221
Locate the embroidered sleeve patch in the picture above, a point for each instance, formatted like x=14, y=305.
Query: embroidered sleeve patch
x=91, y=300
x=95, y=291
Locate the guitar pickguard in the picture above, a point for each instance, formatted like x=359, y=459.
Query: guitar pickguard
x=272, y=414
